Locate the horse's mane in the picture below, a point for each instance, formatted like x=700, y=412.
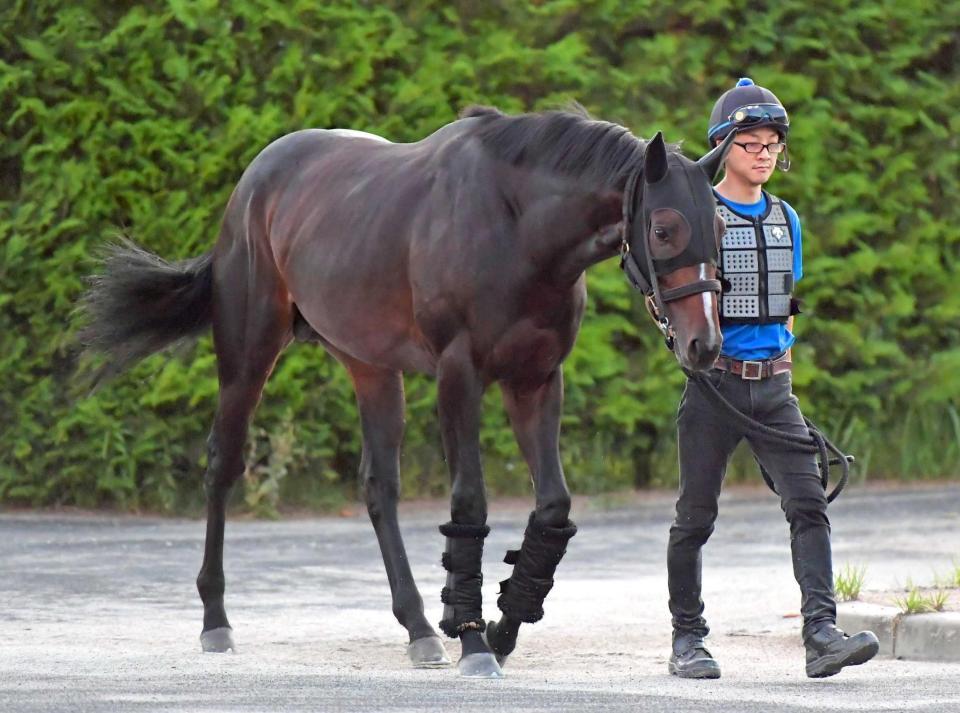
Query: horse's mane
x=566, y=141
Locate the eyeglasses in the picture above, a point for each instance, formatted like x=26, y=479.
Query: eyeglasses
x=757, y=147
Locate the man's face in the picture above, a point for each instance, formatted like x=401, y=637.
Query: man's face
x=752, y=168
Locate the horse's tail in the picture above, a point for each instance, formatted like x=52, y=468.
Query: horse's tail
x=141, y=303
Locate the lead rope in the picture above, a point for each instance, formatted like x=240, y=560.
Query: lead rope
x=814, y=442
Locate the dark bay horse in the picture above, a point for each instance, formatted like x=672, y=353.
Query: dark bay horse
x=461, y=256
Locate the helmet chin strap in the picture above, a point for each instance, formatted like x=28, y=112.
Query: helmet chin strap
x=783, y=160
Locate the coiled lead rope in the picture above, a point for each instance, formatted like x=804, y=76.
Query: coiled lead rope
x=814, y=442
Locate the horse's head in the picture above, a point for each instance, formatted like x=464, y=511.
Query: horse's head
x=671, y=243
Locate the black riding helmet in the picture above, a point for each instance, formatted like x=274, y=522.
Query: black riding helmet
x=748, y=105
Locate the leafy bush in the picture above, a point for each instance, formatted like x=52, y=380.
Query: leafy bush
x=140, y=117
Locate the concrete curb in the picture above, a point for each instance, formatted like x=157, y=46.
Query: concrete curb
x=920, y=637
x=882, y=621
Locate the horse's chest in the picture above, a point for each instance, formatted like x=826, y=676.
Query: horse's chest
x=527, y=352
x=535, y=343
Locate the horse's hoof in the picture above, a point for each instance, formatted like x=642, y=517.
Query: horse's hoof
x=501, y=658
x=428, y=652
x=480, y=665
x=218, y=641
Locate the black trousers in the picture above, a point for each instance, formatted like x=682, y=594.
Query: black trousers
x=707, y=438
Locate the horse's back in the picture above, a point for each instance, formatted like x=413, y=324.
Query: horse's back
x=336, y=211
x=380, y=244
x=292, y=151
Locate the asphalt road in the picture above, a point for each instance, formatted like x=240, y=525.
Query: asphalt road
x=101, y=613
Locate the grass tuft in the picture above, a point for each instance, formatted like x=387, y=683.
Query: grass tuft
x=848, y=582
x=916, y=602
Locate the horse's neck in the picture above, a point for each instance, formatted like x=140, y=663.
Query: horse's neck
x=565, y=225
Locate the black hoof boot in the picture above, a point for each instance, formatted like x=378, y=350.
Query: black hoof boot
x=829, y=650
x=534, y=564
x=463, y=601
x=690, y=658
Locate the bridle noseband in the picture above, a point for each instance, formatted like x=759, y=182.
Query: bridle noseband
x=646, y=281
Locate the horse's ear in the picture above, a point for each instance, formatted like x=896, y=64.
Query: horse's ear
x=655, y=159
x=712, y=161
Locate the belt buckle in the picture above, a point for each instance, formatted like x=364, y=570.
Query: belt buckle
x=752, y=370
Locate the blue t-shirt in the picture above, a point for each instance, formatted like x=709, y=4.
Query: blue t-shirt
x=762, y=341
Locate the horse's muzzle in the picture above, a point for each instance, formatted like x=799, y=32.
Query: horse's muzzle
x=700, y=354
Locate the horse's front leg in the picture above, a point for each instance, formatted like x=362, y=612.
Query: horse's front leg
x=535, y=416
x=459, y=393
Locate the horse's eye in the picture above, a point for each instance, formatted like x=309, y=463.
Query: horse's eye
x=660, y=233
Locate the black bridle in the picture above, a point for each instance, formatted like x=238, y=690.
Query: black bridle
x=644, y=278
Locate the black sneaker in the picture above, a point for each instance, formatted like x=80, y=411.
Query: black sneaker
x=829, y=650
x=690, y=658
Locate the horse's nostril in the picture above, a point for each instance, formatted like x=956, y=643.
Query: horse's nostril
x=694, y=352
x=703, y=352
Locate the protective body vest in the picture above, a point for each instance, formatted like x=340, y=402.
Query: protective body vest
x=756, y=260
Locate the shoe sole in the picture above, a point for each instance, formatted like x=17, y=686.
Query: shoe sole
x=830, y=665
x=697, y=671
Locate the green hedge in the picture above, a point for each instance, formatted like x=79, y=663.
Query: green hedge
x=140, y=117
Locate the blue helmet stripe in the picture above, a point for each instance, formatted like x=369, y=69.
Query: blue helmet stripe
x=717, y=128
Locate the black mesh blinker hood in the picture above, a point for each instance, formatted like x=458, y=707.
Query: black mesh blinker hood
x=675, y=193
x=695, y=202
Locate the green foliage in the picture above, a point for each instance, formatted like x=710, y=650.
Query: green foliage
x=141, y=117
x=848, y=582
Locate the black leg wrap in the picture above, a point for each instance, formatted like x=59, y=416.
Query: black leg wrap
x=463, y=603
x=521, y=596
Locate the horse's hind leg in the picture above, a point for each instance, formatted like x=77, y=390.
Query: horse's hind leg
x=252, y=324
x=381, y=404
x=535, y=416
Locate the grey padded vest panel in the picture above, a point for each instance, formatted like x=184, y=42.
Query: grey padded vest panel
x=756, y=258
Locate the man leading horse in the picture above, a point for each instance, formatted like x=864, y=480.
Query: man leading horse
x=760, y=260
